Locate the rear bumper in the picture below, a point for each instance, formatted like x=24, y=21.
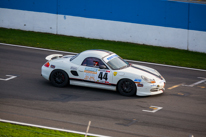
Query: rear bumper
x=45, y=72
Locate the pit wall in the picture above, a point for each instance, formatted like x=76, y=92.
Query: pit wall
x=151, y=22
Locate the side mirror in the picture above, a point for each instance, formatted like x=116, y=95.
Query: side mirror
x=102, y=67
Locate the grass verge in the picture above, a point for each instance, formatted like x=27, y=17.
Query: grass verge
x=131, y=51
x=13, y=130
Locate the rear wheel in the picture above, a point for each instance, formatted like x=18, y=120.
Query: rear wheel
x=59, y=78
x=127, y=87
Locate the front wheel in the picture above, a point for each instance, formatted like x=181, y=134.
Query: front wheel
x=127, y=87
x=59, y=78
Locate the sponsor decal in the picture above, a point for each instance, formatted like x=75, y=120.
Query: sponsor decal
x=89, y=78
x=91, y=70
x=90, y=73
x=108, y=71
x=94, y=74
x=115, y=73
x=111, y=57
x=107, y=59
x=73, y=68
x=140, y=85
x=137, y=80
x=52, y=66
x=102, y=70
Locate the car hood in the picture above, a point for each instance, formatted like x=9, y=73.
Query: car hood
x=151, y=70
x=143, y=70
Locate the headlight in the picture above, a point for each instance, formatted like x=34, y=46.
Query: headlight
x=148, y=79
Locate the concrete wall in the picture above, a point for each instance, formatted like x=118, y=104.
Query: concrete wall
x=153, y=22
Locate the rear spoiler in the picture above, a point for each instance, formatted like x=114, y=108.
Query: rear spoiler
x=53, y=56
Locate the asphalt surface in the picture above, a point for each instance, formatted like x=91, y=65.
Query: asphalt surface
x=31, y=99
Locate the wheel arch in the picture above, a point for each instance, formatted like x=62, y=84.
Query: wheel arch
x=120, y=80
x=56, y=70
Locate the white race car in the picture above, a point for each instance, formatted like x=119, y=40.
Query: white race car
x=102, y=69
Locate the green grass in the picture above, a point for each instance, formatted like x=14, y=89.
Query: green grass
x=13, y=130
x=131, y=51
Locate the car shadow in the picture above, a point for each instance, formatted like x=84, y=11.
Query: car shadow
x=78, y=93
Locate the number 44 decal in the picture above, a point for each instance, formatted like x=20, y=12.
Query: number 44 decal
x=104, y=77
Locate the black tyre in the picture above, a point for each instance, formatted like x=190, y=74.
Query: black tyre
x=126, y=87
x=59, y=78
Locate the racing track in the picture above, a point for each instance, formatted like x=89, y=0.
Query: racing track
x=29, y=98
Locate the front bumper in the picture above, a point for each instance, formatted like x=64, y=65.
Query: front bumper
x=151, y=89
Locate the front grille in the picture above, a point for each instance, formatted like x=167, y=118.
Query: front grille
x=155, y=89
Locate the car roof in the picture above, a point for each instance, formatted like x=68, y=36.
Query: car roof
x=98, y=53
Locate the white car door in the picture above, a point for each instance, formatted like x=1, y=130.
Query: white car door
x=92, y=76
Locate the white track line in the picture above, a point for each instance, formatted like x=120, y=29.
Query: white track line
x=196, y=83
x=166, y=65
x=20, y=46
x=51, y=128
x=10, y=77
x=171, y=66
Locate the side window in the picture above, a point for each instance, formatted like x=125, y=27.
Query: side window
x=92, y=62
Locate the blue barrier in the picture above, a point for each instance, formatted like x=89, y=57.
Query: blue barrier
x=197, y=17
x=154, y=22
x=48, y=6
x=151, y=12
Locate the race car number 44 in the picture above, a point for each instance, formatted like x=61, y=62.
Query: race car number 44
x=102, y=77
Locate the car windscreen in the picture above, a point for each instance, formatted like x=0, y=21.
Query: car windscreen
x=117, y=63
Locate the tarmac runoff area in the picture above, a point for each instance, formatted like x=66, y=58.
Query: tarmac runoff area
x=26, y=97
